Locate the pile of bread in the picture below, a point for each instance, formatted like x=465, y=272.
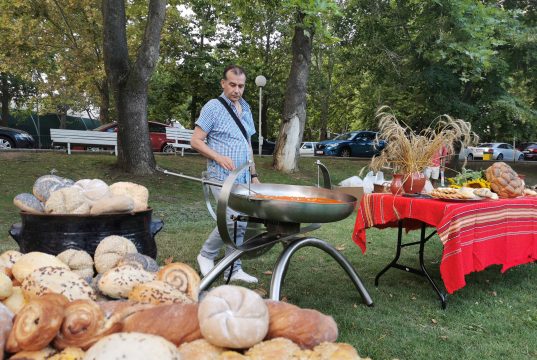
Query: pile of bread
x=55, y=308
x=53, y=194
x=464, y=193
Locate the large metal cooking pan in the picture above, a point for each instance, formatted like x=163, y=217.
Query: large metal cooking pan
x=244, y=200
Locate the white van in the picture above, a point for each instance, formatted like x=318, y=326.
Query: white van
x=307, y=148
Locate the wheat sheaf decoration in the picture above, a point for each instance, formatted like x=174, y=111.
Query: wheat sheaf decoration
x=407, y=151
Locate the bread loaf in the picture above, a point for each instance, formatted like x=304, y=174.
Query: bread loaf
x=37, y=323
x=16, y=301
x=138, y=193
x=92, y=189
x=47, y=184
x=329, y=350
x=158, y=292
x=68, y=200
x=110, y=251
x=118, y=282
x=70, y=353
x=278, y=348
x=182, y=277
x=132, y=346
x=79, y=261
x=29, y=203
x=6, y=286
x=305, y=327
x=504, y=181
x=177, y=323
x=50, y=279
x=9, y=258
x=234, y=317
x=200, y=350
x=34, y=260
x=112, y=204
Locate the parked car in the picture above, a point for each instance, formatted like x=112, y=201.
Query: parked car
x=14, y=138
x=157, y=134
x=500, y=151
x=307, y=148
x=530, y=151
x=267, y=148
x=354, y=143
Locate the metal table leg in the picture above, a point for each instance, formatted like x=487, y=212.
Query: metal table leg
x=282, y=264
x=422, y=270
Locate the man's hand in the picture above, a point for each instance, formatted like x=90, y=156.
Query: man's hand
x=225, y=162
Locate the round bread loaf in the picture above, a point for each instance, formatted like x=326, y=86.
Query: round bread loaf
x=138, y=193
x=34, y=260
x=158, y=292
x=504, y=181
x=6, y=286
x=58, y=280
x=143, y=261
x=111, y=250
x=16, y=301
x=79, y=261
x=112, y=204
x=118, y=282
x=200, y=349
x=68, y=200
x=132, y=346
x=278, y=348
x=47, y=184
x=234, y=317
x=29, y=203
x=11, y=256
x=331, y=350
x=93, y=189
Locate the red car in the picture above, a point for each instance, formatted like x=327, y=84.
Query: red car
x=157, y=134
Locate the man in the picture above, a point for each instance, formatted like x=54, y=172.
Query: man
x=220, y=139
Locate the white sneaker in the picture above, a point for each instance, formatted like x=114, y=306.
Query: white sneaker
x=240, y=275
x=205, y=264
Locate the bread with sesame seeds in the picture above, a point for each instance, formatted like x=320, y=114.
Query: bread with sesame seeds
x=50, y=279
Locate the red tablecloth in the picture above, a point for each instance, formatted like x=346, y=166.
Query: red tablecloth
x=474, y=234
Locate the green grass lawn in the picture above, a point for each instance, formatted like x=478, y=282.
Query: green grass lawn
x=493, y=317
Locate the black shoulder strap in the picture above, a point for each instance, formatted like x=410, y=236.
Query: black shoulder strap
x=234, y=116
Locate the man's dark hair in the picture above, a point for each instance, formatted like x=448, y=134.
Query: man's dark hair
x=235, y=69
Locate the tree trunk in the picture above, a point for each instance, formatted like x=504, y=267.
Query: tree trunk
x=129, y=81
x=193, y=111
x=264, y=122
x=5, y=100
x=104, y=92
x=294, y=108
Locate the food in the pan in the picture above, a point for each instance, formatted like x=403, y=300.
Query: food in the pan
x=318, y=200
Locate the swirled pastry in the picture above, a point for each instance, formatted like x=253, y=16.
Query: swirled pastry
x=37, y=323
x=182, y=277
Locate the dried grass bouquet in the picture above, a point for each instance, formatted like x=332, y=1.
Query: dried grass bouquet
x=407, y=152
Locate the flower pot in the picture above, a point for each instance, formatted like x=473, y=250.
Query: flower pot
x=396, y=186
x=414, y=183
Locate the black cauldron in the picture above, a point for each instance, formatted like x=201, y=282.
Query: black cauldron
x=53, y=234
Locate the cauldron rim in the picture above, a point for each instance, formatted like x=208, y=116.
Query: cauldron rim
x=26, y=213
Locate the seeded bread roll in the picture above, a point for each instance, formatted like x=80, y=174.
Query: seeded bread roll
x=111, y=250
x=34, y=260
x=79, y=261
x=132, y=346
x=158, y=292
x=142, y=261
x=330, y=350
x=70, y=353
x=234, y=317
x=58, y=280
x=29, y=203
x=200, y=349
x=138, y=193
x=118, y=282
x=47, y=184
x=278, y=348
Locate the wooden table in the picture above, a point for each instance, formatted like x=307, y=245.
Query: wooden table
x=475, y=234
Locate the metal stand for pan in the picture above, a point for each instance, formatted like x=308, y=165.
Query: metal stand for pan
x=282, y=220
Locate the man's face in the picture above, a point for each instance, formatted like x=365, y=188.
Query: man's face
x=233, y=85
